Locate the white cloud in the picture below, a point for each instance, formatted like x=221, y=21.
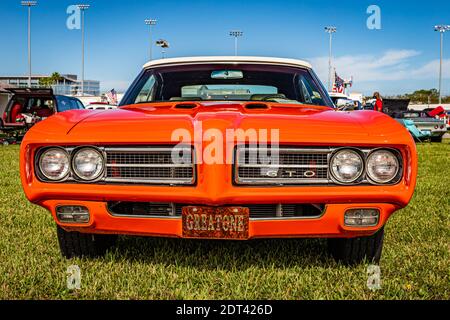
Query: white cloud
x=431, y=69
x=392, y=65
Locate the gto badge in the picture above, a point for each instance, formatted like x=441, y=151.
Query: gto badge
x=290, y=173
x=273, y=173
x=309, y=174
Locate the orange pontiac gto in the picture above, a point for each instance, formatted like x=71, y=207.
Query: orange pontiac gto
x=221, y=148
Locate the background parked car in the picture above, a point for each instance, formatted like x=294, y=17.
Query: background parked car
x=435, y=128
x=344, y=103
x=369, y=104
x=28, y=106
x=439, y=113
x=101, y=106
x=447, y=116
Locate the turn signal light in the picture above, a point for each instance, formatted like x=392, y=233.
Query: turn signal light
x=361, y=217
x=72, y=214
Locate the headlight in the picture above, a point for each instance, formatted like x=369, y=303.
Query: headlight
x=54, y=164
x=382, y=166
x=88, y=163
x=346, y=165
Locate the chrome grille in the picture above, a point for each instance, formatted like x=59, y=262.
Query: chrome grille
x=141, y=209
x=285, y=210
x=272, y=210
x=150, y=165
x=257, y=211
x=139, y=158
x=287, y=166
x=298, y=173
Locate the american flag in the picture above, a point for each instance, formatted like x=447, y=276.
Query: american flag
x=338, y=85
x=112, y=96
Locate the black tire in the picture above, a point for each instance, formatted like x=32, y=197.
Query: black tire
x=77, y=244
x=436, y=139
x=354, y=250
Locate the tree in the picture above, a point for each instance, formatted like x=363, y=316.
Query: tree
x=425, y=96
x=47, y=82
x=55, y=77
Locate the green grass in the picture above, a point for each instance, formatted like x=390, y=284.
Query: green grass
x=415, y=262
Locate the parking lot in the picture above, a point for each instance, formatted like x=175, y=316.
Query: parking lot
x=415, y=262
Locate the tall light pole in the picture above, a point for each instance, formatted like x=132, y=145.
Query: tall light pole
x=150, y=23
x=236, y=34
x=330, y=30
x=164, y=45
x=83, y=8
x=441, y=28
x=29, y=4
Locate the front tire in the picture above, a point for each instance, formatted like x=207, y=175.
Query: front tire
x=354, y=250
x=76, y=244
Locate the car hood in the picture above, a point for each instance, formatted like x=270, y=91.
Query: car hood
x=160, y=123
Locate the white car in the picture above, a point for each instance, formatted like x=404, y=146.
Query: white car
x=100, y=106
x=343, y=102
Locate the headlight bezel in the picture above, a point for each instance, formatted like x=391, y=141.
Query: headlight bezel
x=395, y=178
x=359, y=178
x=41, y=173
x=75, y=174
x=71, y=176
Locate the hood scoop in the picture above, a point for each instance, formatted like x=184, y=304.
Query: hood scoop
x=186, y=105
x=256, y=106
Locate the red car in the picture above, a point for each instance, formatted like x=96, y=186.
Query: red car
x=28, y=106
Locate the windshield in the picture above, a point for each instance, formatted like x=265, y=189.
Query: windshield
x=225, y=82
x=68, y=103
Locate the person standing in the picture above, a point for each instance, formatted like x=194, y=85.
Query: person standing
x=378, y=103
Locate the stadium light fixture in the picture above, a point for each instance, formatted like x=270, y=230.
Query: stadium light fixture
x=83, y=8
x=330, y=30
x=164, y=44
x=441, y=28
x=236, y=34
x=150, y=23
x=29, y=4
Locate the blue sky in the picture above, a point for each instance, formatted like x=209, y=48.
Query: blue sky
x=401, y=57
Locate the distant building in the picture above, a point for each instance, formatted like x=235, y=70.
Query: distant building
x=68, y=85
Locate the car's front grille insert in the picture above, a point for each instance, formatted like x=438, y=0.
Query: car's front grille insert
x=285, y=210
x=296, y=173
x=150, y=165
x=141, y=209
x=283, y=165
x=257, y=211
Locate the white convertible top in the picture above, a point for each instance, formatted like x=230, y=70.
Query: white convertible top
x=227, y=59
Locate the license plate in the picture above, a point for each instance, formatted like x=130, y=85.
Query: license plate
x=215, y=222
